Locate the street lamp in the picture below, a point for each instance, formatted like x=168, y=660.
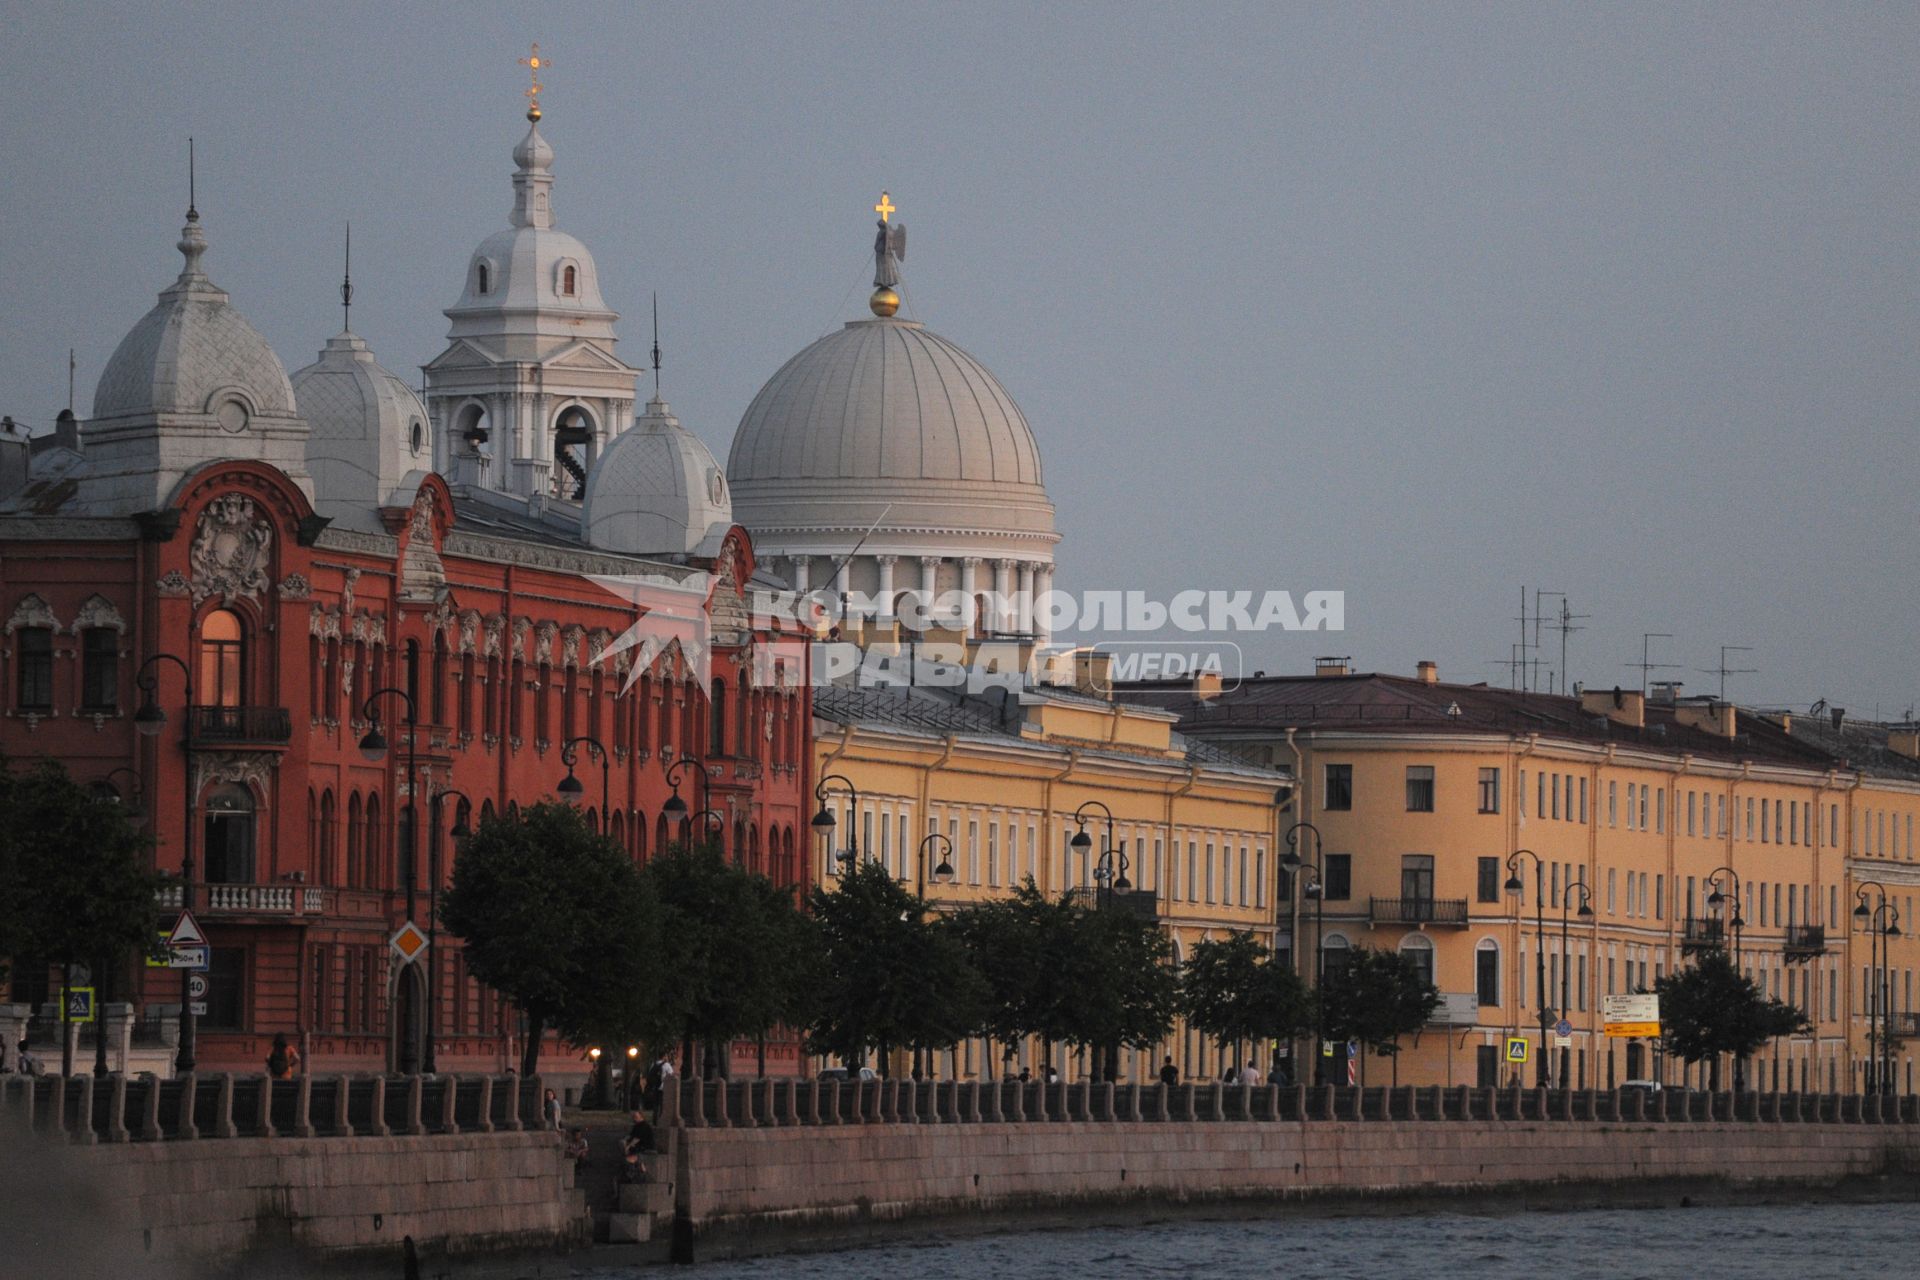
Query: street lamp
x=1516, y=886
x=428, y=1061
x=149, y=720
x=374, y=747
x=824, y=822
x=1566, y=963
x=1104, y=871
x=943, y=870
x=1725, y=878
x=570, y=789
x=1882, y=923
x=1305, y=886
x=675, y=807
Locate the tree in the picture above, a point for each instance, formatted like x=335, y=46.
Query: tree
x=1007, y=944
x=1710, y=1008
x=1234, y=990
x=1375, y=998
x=1118, y=967
x=74, y=875
x=887, y=977
x=553, y=916
x=724, y=965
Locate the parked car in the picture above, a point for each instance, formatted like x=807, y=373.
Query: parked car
x=831, y=1074
x=1644, y=1086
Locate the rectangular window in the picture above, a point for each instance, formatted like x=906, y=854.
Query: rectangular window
x=1749, y=817
x=1259, y=876
x=973, y=852
x=1659, y=897
x=1243, y=875
x=1720, y=815
x=1643, y=805
x=1779, y=808
x=1490, y=880
x=1583, y=801
x=226, y=990
x=1553, y=805
x=1610, y=888
x=1339, y=787
x=1540, y=794
x=1339, y=886
x=1693, y=799
x=1416, y=878
x=99, y=669
x=1613, y=804
x=1793, y=824
x=993, y=854
x=1419, y=788
x=1486, y=976
x=33, y=684
x=1660, y=809
x=1520, y=795
x=1489, y=791
x=1209, y=871
x=1193, y=871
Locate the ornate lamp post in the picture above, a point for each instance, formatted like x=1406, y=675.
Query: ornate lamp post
x=149, y=720
x=1722, y=880
x=570, y=789
x=1566, y=963
x=1109, y=878
x=1309, y=886
x=942, y=874
x=374, y=747
x=1516, y=886
x=1882, y=923
x=459, y=833
x=675, y=807
x=824, y=822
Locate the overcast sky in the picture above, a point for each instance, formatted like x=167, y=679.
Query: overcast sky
x=1424, y=303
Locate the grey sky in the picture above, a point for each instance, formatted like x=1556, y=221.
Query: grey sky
x=1421, y=302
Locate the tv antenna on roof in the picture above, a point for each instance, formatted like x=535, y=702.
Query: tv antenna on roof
x=1646, y=663
x=1723, y=670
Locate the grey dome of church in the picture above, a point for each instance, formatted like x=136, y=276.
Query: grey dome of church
x=887, y=431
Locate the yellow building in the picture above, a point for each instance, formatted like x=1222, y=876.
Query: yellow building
x=1422, y=794
x=1002, y=780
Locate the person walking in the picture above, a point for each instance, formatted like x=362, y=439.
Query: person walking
x=284, y=1060
x=1250, y=1074
x=1169, y=1074
x=550, y=1110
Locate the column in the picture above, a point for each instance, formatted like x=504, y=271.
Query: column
x=929, y=587
x=801, y=564
x=969, y=584
x=886, y=611
x=1042, y=587
x=1023, y=606
x=1002, y=595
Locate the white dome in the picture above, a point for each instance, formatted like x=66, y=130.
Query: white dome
x=656, y=490
x=532, y=280
x=191, y=354
x=368, y=430
x=885, y=412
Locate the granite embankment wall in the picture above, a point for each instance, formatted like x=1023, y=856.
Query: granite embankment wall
x=217, y=1170
x=759, y=1161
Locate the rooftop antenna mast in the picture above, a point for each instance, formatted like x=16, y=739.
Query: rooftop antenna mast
x=1539, y=619
x=193, y=209
x=1564, y=625
x=70, y=368
x=1723, y=670
x=1646, y=663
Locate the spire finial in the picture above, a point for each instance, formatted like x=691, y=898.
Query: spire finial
x=193, y=241
x=346, y=286
x=889, y=247
x=656, y=344
x=533, y=62
x=193, y=211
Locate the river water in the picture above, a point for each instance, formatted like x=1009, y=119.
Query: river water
x=1773, y=1242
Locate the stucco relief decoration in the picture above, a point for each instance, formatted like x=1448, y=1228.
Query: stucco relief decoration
x=570, y=644
x=543, y=638
x=171, y=583
x=728, y=612
x=98, y=611
x=421, y=573
x=248, y=768
x=346, y=591
x=496, y=627
x=230, y=550
x=295, y=587
x=32, y=611
x=521, y=626
x=469, y=630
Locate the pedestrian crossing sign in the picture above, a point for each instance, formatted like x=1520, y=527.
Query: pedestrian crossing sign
x=77, y=1005
x=1516, y=1048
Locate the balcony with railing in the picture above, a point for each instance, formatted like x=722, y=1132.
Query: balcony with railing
x=239, y=726
x=1449, y=913
x=1903, y=1025
x=1698, y=935
x=283, y=899
x=1804, y=941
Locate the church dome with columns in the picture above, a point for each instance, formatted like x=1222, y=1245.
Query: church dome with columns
x=885, y=431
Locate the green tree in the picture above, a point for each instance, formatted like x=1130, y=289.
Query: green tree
x=1710, y=1008
x=730, y=953
x=887, y=977
x=1118, y=967
x=1007, y=943
x=75, y=877
x=553, y=916
x=1234, y=990
x=1375, y=998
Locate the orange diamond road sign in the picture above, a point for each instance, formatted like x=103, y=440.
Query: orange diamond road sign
x=408, y=942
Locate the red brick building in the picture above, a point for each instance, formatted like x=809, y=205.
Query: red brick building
x=284, y=544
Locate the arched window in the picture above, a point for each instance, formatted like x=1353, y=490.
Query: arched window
x=356, y=834
x=328, y=872
x=660, y=838
x=482, y=278
x=1486, y=972
x=743, y=736
x=1418, y=947
x=639, y=835
x=1335, y=951
x=437, y=699
x=373, y=842
x=569, y=281
x=228, y=853
x=717, y=727
x=222, y=676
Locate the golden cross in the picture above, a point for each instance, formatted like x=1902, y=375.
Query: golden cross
x=886, y=207
x=533, y=62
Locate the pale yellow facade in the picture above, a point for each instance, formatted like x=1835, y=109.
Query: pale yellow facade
x=1647, y=832
x=1198, y=830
